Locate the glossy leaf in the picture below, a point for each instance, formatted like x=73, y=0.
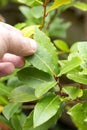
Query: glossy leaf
x=43, y=88
x=22, y=94
x=28, y=125
x=58, y=3
x=73, y=92
x=46, y=109
x=34, y=77
x=10, y=109
x=81, y=5
x=45, y=58
x=78, y=78
x=61, y=45
x=79, y=115
x=70, y=65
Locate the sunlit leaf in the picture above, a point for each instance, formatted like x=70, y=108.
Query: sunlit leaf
x=78, y=114
x=61, y=45
x=29, y=31
x=45, y=58
x=77, y=77
x=46, y=109
x=70, y=65
x=58, y=3
x=28, y=125
x=81, y=5
x=82, y=48
x=73, y=92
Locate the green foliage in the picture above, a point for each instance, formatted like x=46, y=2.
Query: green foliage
x=46, y=109
x=61, y=45
x=80, y=121
x=39, y=82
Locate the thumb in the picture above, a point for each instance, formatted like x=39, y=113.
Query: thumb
x=12, y=41
x=21, y=46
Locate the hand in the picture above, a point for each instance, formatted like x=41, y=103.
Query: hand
x=13, y=47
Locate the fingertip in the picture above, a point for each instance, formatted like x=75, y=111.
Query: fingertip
x=6, y=68
x=31, y=46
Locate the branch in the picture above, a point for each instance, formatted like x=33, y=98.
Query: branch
x=44, y=15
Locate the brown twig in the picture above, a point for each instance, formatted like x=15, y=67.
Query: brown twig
x=44, y=15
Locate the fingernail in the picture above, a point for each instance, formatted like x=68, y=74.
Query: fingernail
x=33, y=45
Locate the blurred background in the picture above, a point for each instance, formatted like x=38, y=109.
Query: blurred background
x=77, y=31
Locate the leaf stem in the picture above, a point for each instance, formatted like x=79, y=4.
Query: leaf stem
x=44, y=14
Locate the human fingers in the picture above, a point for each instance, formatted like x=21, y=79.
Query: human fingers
x=12, y=41
x=16, y=60
x=6, y=68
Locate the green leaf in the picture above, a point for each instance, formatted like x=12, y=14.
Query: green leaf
x=22, y=94
x=25, y=11
x=46, y=109
x=74, y=47
x=73, y=92
x=81, y=5
x=82, y=48
x=28, y=2
x=61, y=45
x=10, y=109
x=79, y=115
x=4, y=100
x=28, y=125
x=70, y=65
x=43, y=88
x=17, y=121
x=58, y=3
x=4, y=90
x=39, y=10
x=77, y=77
x=45, y=58
x=84, y=96
x=34, y=77
x=29, y=31
x=13, y=82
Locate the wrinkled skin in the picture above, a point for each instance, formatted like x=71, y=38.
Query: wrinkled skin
x=13, y=47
